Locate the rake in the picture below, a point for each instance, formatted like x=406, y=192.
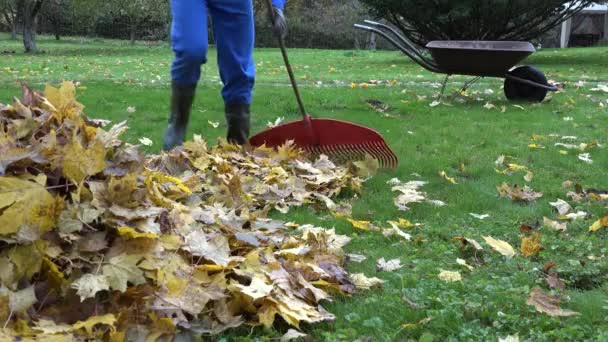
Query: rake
x=339, y=140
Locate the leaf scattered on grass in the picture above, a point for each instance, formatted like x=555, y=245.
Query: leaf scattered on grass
x=410, y=194
x=586, y=157
x=463, y=262
x=555, y=225
x=509, y=338
x=518, y=194
x=561, y=206
x=365, y=283
x=548, y=304
x=450, y=180
x=555, y=282
x=291, y=335
x=500, y=246
x=480, y=216
x=530, y=245
x=449, y=276
x=358, y=258
x=464, y=242
x=388, y=266
x=599, y=224
x=145, y=141
x=579, y=215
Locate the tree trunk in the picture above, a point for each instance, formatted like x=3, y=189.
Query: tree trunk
x=29, y=33
x=57, y=28
x=13, y=31
x=28, y=10
x=133, y=33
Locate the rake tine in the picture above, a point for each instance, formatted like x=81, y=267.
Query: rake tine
x=376, y=153
x=386, y=158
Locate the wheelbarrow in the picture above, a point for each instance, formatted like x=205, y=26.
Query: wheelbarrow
x=475, y=58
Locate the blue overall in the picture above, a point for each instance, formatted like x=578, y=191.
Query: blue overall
x=233, y=31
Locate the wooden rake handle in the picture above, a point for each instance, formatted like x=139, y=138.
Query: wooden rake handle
x=292, y=78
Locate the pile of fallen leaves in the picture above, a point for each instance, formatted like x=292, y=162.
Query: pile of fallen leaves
x=100, y=241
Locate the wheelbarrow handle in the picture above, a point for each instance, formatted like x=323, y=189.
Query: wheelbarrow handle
x=414, y=54
x=548, y=86
x=399, y=37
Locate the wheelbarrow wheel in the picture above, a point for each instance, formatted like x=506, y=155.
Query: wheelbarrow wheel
x=517, y=91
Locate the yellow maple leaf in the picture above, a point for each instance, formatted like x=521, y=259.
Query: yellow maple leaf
x=78, y=163
x=599, y=224
x=122, y=191
x=27, y=259
x=130, y=233
x=530, y=245
x=160, y=326
x=90, y=323
x=64, y=101
x=26, y=204
x=403, y=223
x=363, y=225
x=122, y=269
x=500, y=246
x=54, y=275
x=450, y=180
x=164, y=190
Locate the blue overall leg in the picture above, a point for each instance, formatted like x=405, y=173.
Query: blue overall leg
x=233, y=30
x=189, y=40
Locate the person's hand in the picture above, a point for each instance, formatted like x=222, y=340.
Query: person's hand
x=280, y=24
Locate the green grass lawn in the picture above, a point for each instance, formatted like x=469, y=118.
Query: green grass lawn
x=461, y=137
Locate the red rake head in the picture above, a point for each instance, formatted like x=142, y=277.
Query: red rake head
x=341, y=141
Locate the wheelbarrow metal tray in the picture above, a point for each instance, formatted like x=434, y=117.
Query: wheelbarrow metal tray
x=478, y=58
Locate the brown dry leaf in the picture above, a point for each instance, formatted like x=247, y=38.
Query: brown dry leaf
x=468, y=242
x=518, y=194
x=555, y=282
x=546, y=303
x=500, y=246
x=530, y=245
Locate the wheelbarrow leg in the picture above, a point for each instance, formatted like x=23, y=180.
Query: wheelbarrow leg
x=467, y=85
x=443, y=85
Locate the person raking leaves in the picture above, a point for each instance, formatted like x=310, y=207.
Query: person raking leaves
x=233, y=30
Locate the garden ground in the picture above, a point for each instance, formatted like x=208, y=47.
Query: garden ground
x=463, y=137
